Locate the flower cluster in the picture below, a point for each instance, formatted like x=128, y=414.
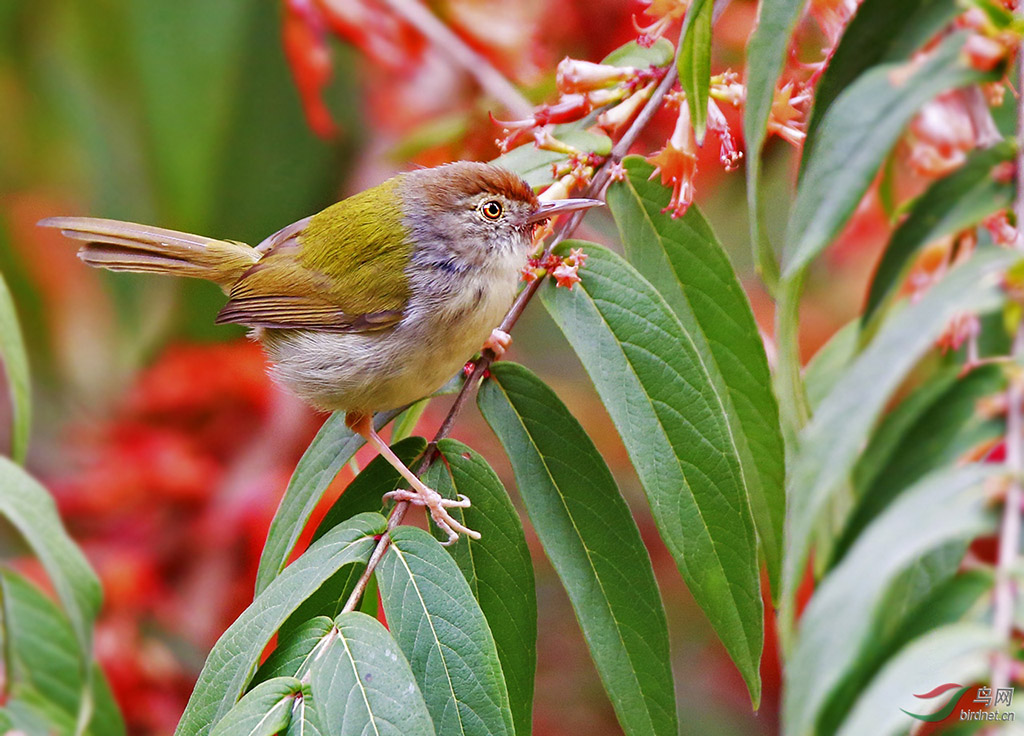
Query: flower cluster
x=565, y=270
x=663, y=14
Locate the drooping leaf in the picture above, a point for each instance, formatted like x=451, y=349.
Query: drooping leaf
x=591, y=539
x=670, y=414
x=14, y=360
x=45, y=657
x=934, y=596
x=880, y=31
x=362, y=684
x=439, y=626
x=684, y=261
x=766, y=56
x=333, y=446
x=857, y=133
x=947, y=426
x=230, y=664
x=30, y=508
x=633, y=54
x=841, y=621
x=293, y=654
x=951, y=204
x=694, y=64
x=828, y=364
x=832, y=441
x=365, y=493
x=497, y=567
x=264, y=711
x=958, y=653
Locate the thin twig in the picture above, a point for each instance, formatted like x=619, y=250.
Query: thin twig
x=565, y=228
x=491, y=80
x=1005, y=594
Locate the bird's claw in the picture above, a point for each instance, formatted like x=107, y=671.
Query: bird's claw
x=498, y=343
x=438, y=505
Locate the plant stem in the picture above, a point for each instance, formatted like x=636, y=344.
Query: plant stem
x=565, y=228
x=1010, y=527
x=492, y=81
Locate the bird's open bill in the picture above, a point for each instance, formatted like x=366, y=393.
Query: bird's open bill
x=556, y=206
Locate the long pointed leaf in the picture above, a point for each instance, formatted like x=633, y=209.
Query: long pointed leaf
x=949, y=205
x=672, y=419
x=440, y=627
x=685, y=262
x=857, y=133
x=363, y=685
x=497, y=568
x=333, y=446
x=694, y=63
x=230, y=664
x=591, y=539
x=830, y=444
x=841, y=621
x=264, y=711
x=15, y=368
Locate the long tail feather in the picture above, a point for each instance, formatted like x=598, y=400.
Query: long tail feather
x=127, y=246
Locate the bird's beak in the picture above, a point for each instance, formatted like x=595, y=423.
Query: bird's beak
x=556, y=206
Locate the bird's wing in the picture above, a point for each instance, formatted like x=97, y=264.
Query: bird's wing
x=342, y=270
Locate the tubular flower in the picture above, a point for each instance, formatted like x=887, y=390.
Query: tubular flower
x=788, y=109
x=963, y=327
x=730, y=154
x=677, y=164
x=832, y=17
x=1002, y=231
x=618, y=116
x=574, y=75
x=664, y=13
x=569, y=108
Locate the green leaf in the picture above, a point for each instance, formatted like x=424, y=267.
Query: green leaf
x=30, y=508
x=685, y=262
x=837, y=628
x=16, y=373
x=305, y=720
x=857, y=134
x=264, y=711
x=333, y=446
x=363, y=685
x=932, y=596
x=671, y=417
x=959, y=652
x=830, y=444
x=829, y=363
x=766, y=56
x=46, y=658
x=592, y=542
x=230, y=664
x=694, y=64
x=633, y=54
x=293, y=654
x=946, y=426
x=497, y=568
x=535, y=165
x=365, y=493
x=405, y=423
x=880, y=30
x=949, y=205
x=439, y=625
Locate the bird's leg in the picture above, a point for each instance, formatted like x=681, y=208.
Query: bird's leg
x=498, y=342
x=421, y=494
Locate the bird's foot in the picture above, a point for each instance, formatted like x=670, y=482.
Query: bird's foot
x=438, y=507
x=498, y=343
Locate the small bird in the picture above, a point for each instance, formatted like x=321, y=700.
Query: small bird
x=371, y=304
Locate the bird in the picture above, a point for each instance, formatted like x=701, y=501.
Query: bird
x=369, y=305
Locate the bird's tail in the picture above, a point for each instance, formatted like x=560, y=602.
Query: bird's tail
x=126, y=246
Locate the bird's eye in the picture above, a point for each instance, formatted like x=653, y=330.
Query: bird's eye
x=491, y=209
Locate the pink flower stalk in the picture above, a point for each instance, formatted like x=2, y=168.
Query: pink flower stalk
x=677, y=164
